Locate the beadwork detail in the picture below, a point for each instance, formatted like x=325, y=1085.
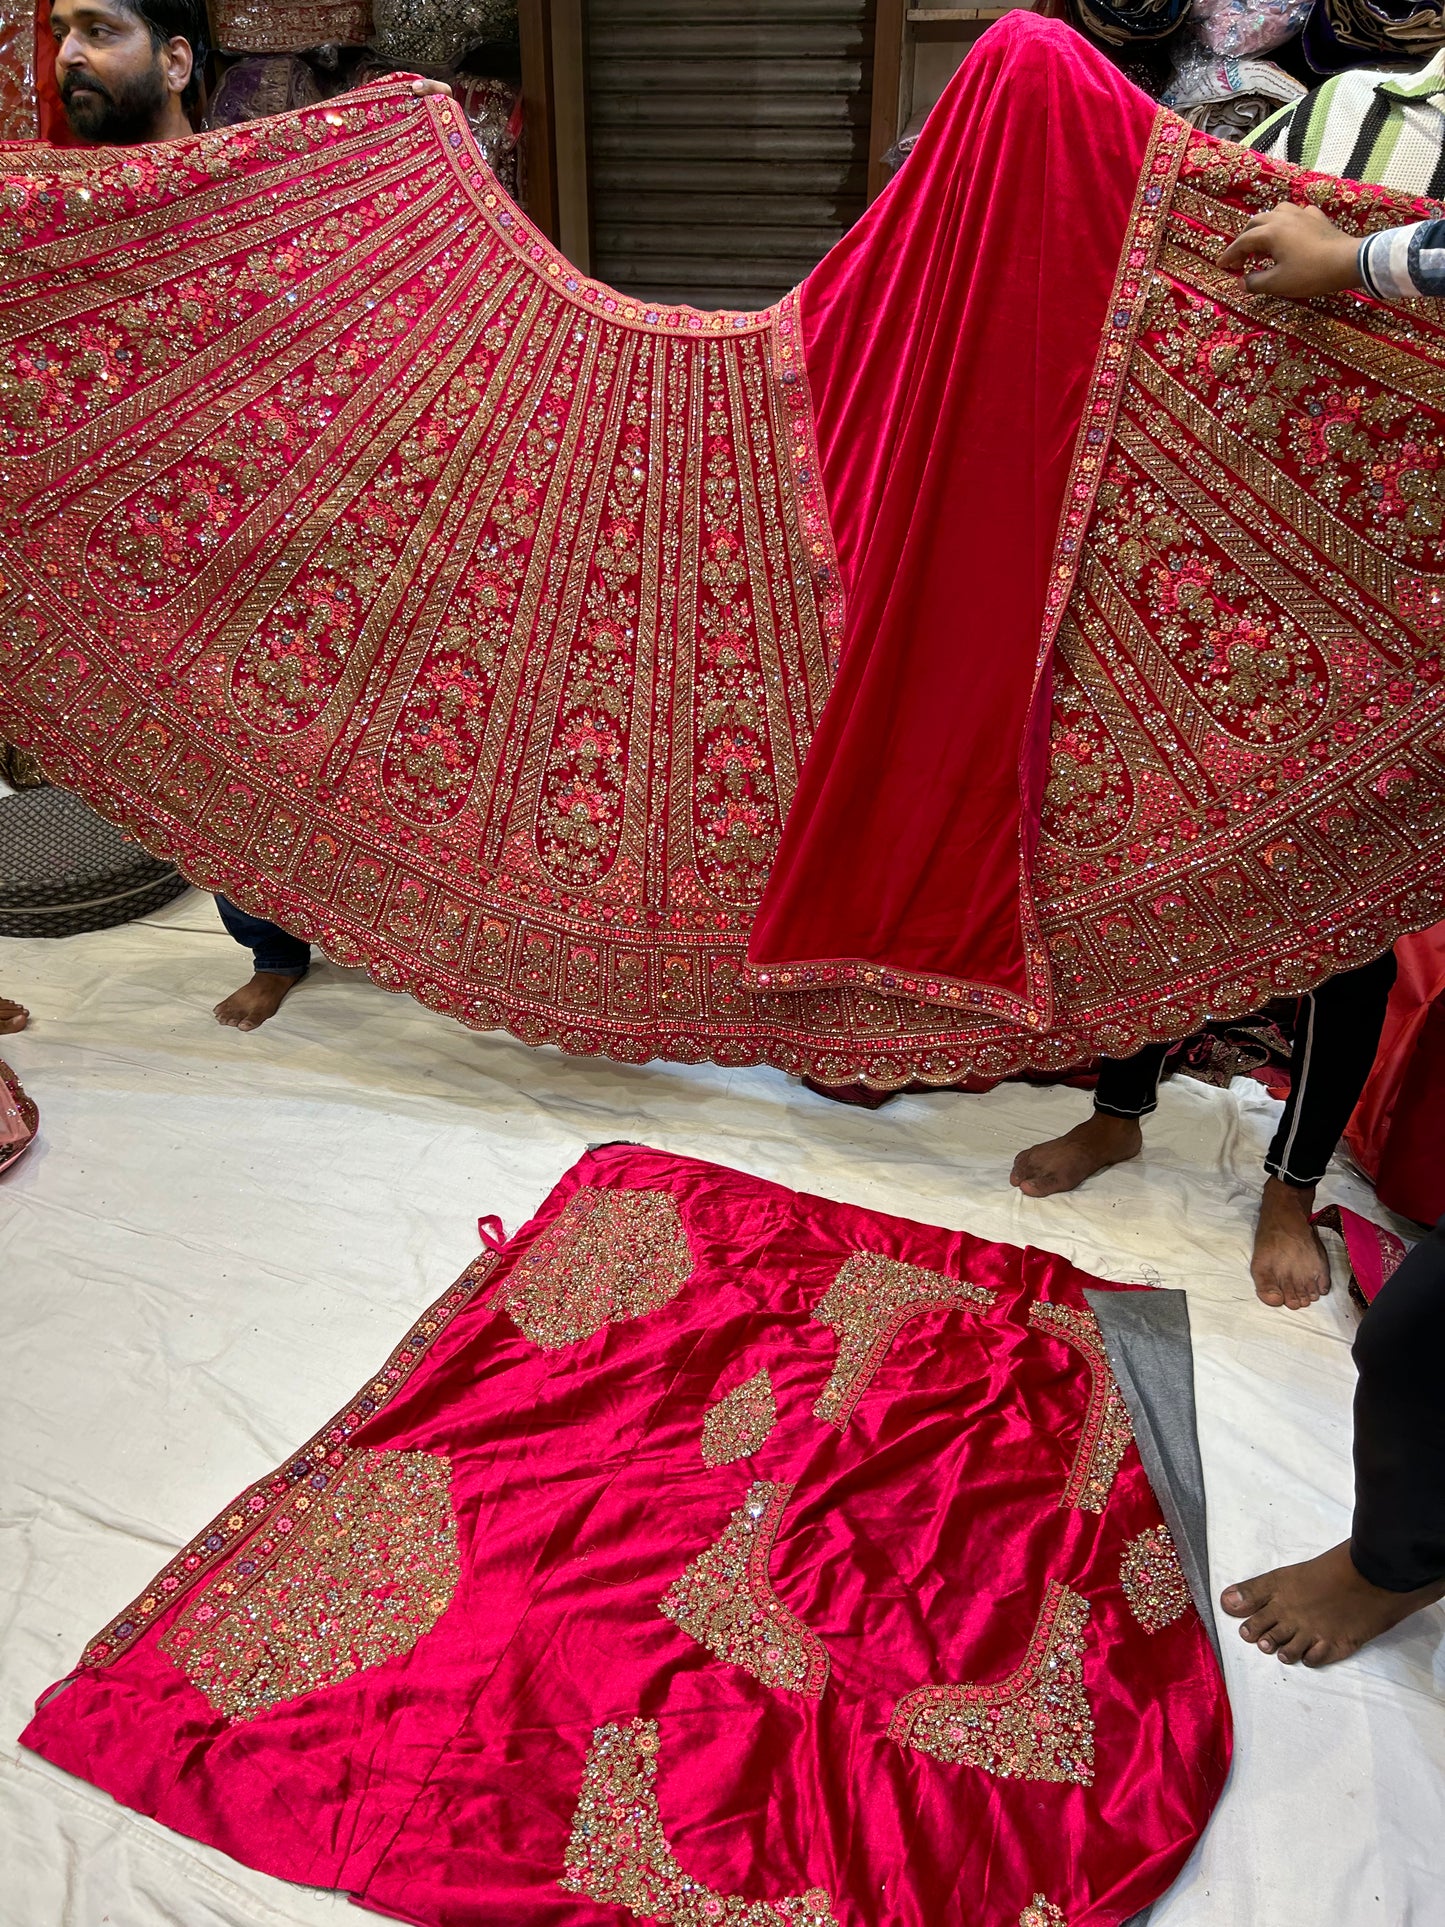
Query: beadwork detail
x=618, y=1852
x=1042, y=1913
x=608, y=1256
x=739, y=1424
x=1107, y=1432
x=868, y=1303
x=1034, y=1725
x=1153, y=1581
x=725, y=1601
x=368, y=1568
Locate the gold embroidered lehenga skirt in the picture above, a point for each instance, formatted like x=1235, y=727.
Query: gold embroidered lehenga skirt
x=1017, y=644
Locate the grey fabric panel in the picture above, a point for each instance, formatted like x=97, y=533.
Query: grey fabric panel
x=1146, y=1334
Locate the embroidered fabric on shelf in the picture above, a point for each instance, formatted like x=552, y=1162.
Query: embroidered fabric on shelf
x=612, y=1255
x=869, y=1302
x=373, y=565
x=1107, y=1433
x=618, y=1853
x=726, y=1602
x=739, y=1424
x=289, y=26
x=1153, y=1581
x=500, y=1625
x=1035, y=1725
x=368, y=1569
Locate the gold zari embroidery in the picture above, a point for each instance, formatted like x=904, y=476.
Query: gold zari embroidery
x=368, y=1570
x=618, y=1852
x=1034, y=1725
x=1107, y=1432
x=609, y=1256
x=739, y=1424
x=725, y=1601
x=1153, y=1581
x=868, y=1303
x=1041, y=1912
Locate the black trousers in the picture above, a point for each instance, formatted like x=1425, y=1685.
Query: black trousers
x=271, y=946
x=1336, y=1033
x=1398, y=1540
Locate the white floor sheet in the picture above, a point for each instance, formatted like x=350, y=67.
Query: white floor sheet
x=220, y=1236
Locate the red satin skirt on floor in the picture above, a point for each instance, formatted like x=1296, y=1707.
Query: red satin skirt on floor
x=1019, y=643
x=711, y=1553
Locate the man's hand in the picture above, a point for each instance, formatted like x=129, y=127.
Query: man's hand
x=1310, y=254
x=430, y=87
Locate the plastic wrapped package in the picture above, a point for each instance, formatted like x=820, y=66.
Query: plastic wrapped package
x=261, y=85
x=1238, y=28
x=1228, y=98
x=436, y=33
x=287, y=26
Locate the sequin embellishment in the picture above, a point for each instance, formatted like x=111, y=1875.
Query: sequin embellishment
x=868, y=1303
x=1107, y=1432
x=1153, y=1581
x=725, y=1601
x=367, y=1571
x=618, y=1853
x=1042, y=1913
x=609, y=1256
x=739, y=1424
x=1034, y=1725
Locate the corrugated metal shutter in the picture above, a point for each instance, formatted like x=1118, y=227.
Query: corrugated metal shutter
x=728, y=142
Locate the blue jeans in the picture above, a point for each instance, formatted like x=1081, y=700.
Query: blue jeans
x=272, y=947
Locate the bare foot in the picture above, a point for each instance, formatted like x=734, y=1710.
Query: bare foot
x=1321, y=1610
x=13, y=1017
x=1064, y=1162
x=253, y=1003
x=1289, y=1266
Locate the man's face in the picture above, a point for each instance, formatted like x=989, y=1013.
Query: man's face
x=114, y=82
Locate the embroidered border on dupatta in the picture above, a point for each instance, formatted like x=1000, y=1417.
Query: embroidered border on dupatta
x=263, y=1503
x=1143, y=239
x=804, y=471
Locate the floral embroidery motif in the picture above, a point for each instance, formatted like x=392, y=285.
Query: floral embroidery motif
x=724, y=1600
x=1153, y=1581
x=868, y=1303
x=618, y=1852
x=739, y=1424
x=1034, y=1725
x=608, y=1256
x=367, y=1570
x=1042, y=1913
x=1107, y=1433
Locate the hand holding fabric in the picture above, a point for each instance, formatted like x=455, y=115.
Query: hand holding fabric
x=1308, y=253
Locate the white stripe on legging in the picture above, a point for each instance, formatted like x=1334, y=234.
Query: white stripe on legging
x=1299, y=1095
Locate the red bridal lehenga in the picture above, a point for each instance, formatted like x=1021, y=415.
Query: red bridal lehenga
x=710, y=1553
x=1016, y=644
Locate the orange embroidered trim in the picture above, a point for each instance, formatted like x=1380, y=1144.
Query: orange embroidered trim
x=618, y=1852
x=1107, y=1432
x=608, y=1256
x=1041, y=1912
x=800, y=445
x=868, y=1303
x=1034, y=1725
x=366, y=1572
x=725, y=1601
x=270, y=1502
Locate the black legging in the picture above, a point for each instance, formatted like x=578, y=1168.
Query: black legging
x=1398, y=1539
x=1336, y=1032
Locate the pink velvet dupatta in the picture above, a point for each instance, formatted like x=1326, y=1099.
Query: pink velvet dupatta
x=712, y=1552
